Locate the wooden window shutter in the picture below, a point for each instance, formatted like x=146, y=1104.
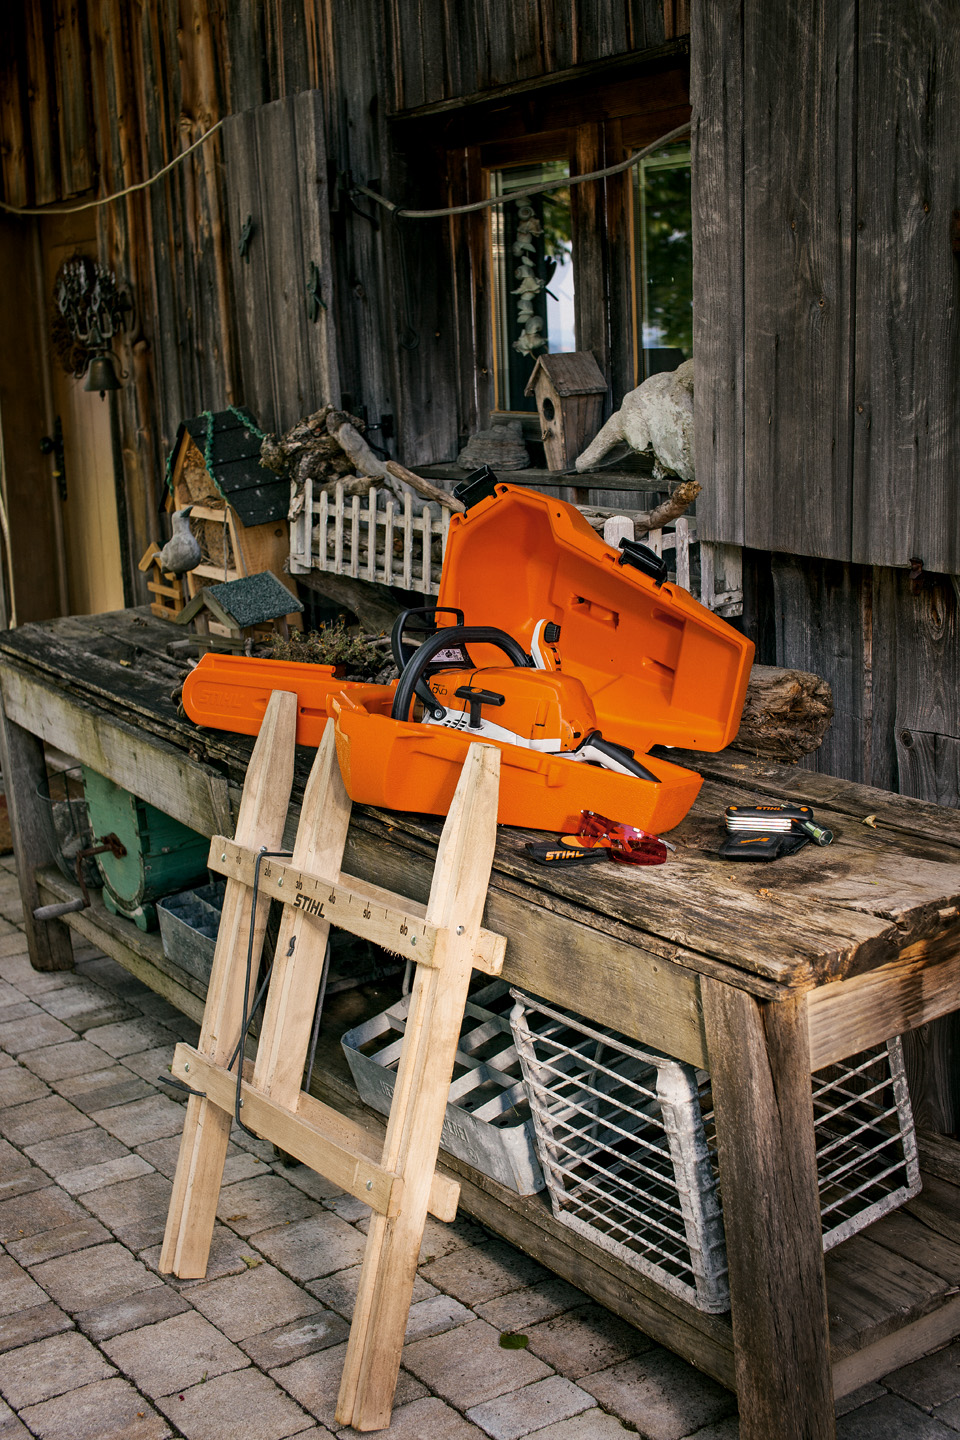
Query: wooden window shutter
x=279, y=220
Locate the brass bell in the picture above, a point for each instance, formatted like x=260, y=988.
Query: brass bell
x=101, y=375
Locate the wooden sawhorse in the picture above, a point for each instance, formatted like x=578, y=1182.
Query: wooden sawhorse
x=398, y=1181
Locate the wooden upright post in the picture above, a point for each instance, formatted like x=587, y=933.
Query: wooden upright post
x=457, y=898
x=206, y=1131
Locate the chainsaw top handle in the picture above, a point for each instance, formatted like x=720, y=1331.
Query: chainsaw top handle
x=402, y=654
x=450, y=637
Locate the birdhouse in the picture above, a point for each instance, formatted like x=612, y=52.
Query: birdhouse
x=569, y=389
x=251, y=608
x=239, y=508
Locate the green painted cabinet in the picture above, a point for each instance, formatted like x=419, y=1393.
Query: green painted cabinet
x=162, y=856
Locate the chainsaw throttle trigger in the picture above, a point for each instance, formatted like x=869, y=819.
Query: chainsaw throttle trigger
x=641, y=557
x=477, y=698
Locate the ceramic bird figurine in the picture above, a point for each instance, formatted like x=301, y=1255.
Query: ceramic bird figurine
x=182, y=551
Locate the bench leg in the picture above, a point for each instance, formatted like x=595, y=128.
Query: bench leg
x=760, y=1070
x=24, y=767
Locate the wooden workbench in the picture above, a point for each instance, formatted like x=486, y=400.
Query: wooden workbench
x=759, y=974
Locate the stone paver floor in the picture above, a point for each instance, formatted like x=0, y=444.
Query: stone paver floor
x=96, y=1345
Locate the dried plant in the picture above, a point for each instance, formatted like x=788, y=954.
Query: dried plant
x=355, y=654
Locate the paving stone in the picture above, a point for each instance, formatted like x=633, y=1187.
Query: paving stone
x=30, y=1214
x=339, y=1291
x=308, y=1249
x=84, y=1006
x=467, y=1366
x=61, y=1240
x=10, y=1427
x=426, y=1419
x=12, y=942
x=20, y=1182
x=156, y=1008
x=480, y=1272
x=17, y=1290
x=435, y=1315
x=129, y=1036
x=142, y=1121
x=228, y=1256
x=50, y=1367
x=11, y=1160
x=148, y=1064
x=58, y=1062
x=135, y=1210
x=584, y=1340
x=106, y=1410
x=511, y=1416
x=856, y=1398
x=349, y=1208
x=661, y=1394
x=27, y=1326
x=110, y=1172
x=104, y=1088
x=891, y=1418
x=248, y=1304
x=76, y=1151
x=131, y=1312
x=595, y=1425
x=440, y=1239
x=32, y=1032
x=41, y=1120
x=253, y=1144
x=22, y=1010
x=522, y=1308
x=9, y=995
x=315, y=1383
x=94, y=1277
x=308, y=1181
x=113, y=977
x=173, y=1353
x=243, y=1406
x=930, y=1381
x=263, y=1204
x=949, y=1414
x=728, y=1429
x=163, y=1155
x=305, y=1336
x=17, y=1086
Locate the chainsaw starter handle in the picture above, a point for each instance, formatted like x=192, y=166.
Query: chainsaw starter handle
x=445, y=639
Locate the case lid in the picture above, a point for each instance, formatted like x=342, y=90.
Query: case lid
x=659, y=667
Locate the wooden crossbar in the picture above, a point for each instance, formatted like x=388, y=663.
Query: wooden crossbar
x=397, y=1177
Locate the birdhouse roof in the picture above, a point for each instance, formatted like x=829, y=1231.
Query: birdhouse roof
x=252, y=600
x=573, y=373
x=256, y=494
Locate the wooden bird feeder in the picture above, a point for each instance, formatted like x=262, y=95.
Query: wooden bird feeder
x=569, y=389
x=239, y=512
x=251, y=608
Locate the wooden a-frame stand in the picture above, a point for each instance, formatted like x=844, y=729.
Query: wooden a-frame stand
x=397, y=1179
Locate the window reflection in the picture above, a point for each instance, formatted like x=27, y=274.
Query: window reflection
x=533, y=282
x=665, y=259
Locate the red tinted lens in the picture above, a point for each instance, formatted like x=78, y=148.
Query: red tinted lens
x=646, y=851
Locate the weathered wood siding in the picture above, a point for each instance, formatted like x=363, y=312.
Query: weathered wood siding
x=826, y=288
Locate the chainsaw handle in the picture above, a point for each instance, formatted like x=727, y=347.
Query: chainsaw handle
x=450, y=635
x=402, y=654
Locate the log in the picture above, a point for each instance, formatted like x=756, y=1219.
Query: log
x=373, y=604
x=423, y=487
x=785, y=715
x=668, y=510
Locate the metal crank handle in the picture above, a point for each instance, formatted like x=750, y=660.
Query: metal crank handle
x=63, y=907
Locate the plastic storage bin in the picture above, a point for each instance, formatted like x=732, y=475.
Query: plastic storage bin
x=627, y=1142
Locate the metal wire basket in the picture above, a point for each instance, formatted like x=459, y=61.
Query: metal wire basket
x=62, y=794
x=627, y=1142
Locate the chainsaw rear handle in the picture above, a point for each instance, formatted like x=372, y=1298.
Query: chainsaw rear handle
x=449, y=636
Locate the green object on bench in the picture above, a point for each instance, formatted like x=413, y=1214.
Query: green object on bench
x=162, y=856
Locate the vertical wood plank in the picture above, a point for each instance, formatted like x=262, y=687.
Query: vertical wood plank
x=206, y=1130
x=311, y=170
x=798, y=228
x=906, y=419
x=72, y=92
x=41, y=102
x=254, y=327
x=716, y=95
x=24, y=768
x=759, y=1068
x=591, y=293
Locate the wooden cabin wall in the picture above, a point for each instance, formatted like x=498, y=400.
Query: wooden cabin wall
x=97, y=95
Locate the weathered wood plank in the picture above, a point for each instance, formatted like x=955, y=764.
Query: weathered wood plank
x=760, y=1074
x=798, y=223
x=906, y=422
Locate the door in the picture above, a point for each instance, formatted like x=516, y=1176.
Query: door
x=90, y=526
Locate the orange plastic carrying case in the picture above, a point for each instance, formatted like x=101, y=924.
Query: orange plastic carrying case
x=638, y=656
x=658, y=667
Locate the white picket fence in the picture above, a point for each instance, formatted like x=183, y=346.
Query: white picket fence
x=373, y=537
